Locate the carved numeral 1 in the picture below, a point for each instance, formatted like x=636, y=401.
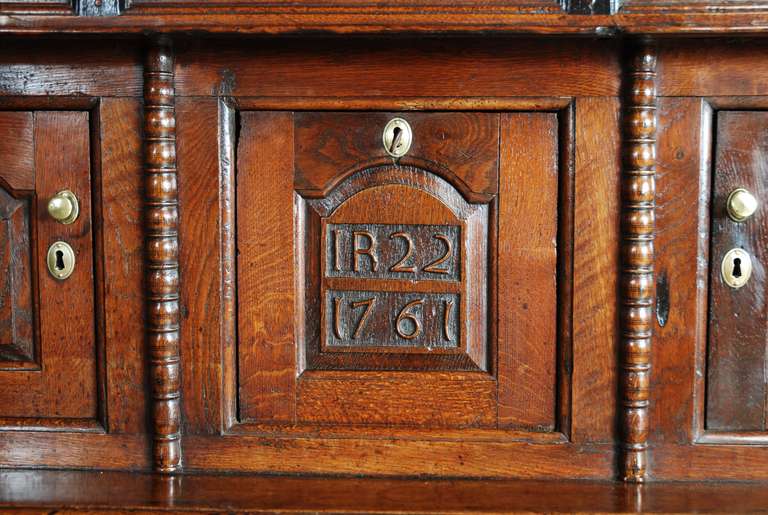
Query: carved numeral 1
x=336, y=251
x=433, y=266
x=337, y=318
x=447, y=319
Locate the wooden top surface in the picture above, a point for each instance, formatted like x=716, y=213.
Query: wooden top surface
x=99, y=491
x=661, y=17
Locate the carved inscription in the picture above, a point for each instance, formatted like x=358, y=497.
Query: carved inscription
x=391, y=319
x=380, y=251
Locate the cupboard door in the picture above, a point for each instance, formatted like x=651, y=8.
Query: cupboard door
x=418, y=291
x=48, y=367
x=738, y=315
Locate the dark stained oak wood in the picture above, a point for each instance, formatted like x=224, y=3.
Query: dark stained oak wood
x=682, y=222
x=89, y=492
x=712, y=67
x=526, y=268
x=465, y=145
x=202, y=228
x=682, y=18
x=19, y=168
x=362, y=452
x=528, y=161
x=436, y=68
x=596, y=228
x=84, y=492
x=267, y=350
x=104, y=68
x=119, y=190
x=18, y=312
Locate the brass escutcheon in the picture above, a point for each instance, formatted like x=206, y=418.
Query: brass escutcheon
x=60, y=260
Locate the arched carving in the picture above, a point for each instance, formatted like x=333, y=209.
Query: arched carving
x=395, y=274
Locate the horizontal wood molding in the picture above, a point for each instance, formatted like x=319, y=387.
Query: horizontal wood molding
x=229, y=19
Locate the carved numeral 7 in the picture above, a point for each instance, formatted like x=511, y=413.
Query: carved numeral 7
x=368, y=303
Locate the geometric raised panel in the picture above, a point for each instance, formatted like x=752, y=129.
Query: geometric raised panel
x=17, y=308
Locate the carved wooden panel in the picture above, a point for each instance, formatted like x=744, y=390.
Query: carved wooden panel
x=17, y=310
x=49, y=372
x=738, y=318
x=367, y=286
x=409, y=239
x=18, y=317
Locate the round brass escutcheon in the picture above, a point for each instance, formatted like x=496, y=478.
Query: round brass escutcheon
x=741, y=205
x=397, y=137
x=736, y=268
x=64, y=207
x=60, y=260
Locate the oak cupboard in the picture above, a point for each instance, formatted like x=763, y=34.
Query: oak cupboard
x=423, y=244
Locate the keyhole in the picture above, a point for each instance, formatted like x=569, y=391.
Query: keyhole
x=397, y=134
x=737, y=267
x=59, y=260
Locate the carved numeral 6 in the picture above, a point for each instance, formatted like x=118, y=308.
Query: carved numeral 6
x=407, y=314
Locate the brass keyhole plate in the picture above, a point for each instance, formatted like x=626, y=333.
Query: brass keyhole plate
x=397, y=137
x=60, y=260
x=736, y=268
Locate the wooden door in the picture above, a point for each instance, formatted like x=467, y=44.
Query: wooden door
x=48, y=366
x=370, y=287
x=737, y=390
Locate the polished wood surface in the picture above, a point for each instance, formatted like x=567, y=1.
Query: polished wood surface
x=84, y=492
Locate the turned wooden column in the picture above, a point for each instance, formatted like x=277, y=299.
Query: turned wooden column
x=637, y=254
x=162, y=255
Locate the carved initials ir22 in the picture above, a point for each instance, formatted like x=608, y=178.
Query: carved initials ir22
x=393, y=251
